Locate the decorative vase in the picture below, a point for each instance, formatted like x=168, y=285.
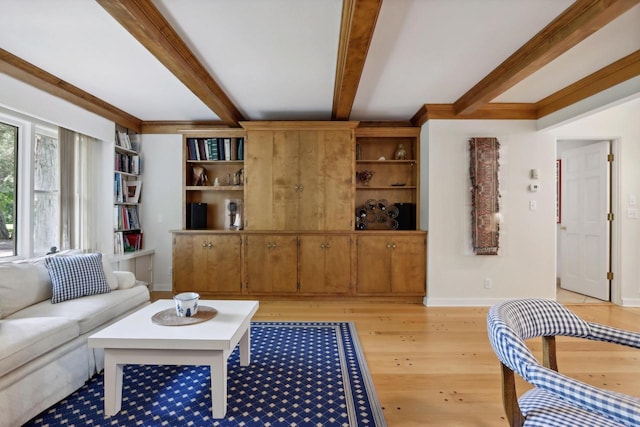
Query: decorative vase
x=365, y=176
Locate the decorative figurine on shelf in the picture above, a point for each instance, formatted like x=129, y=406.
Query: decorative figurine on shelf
x=199, y=176
x=365, y=176
x=216, y=182
x=401, y=153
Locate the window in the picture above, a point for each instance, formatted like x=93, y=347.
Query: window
x=48, y=187
x=8, y=186
x=46, y=191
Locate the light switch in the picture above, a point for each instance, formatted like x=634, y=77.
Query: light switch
x=533, y=205
x=632, y=213
x=632, y=200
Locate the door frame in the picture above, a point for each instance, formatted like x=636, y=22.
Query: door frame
x=614, y=242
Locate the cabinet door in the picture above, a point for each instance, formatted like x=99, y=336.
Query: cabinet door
x=207, y=264
x=409, y=261
x=374, y=264
x=324, y=264
x=338, y=172
x=299, y=180
x=223, y=264
x=183, y=263
x=287, y=187
x=259, y=169
x=326, y=178
x=271, y=264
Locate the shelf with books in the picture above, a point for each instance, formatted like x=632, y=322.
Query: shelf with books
x=387, y=170
x=213, y=174
x=127, y=189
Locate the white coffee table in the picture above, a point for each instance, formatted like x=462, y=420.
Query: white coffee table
x=135, y=339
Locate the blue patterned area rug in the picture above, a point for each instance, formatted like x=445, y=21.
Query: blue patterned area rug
x=301, y=374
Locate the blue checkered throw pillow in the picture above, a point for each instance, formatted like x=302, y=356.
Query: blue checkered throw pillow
x=76, y=276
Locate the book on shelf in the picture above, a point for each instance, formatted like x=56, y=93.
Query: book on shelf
x=122, y=140
x=126, y=218
x=227, y=148
x=212, y=143
x=202, y=154
x=118, y=243
x=233, y=149
x=240, y=148
x=124, y=242
x=118, y=188
x=220, y=148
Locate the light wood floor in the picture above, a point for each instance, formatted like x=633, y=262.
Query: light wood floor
x=434, y=366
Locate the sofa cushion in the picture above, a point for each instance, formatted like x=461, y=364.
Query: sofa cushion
x=23, y=340
x=76, y=276
x=126, y=279
x=90, y=311
x=22, y=285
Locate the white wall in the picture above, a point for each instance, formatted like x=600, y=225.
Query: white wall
x=526, y=262
x=161, y=200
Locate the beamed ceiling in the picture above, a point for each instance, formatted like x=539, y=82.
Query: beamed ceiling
x=163, y=65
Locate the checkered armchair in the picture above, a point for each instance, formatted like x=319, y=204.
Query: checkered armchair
x=556, y=399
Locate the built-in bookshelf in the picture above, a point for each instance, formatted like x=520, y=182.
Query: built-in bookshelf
x=387, y=178
x=127, y=190
x=213, y=179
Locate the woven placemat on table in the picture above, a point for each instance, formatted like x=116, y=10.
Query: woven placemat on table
x=169, y=317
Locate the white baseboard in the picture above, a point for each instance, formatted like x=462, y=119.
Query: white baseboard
x=463, y=302
x=630, y=302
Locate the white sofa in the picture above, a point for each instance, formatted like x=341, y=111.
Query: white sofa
x=44, y=355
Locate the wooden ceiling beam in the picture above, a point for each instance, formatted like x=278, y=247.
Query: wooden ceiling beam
x=623, y=69
x=41, y=79
x=359, y=19
x=145, y=22
x=495, y=111
x=576, y=23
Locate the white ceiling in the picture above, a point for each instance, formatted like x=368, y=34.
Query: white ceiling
x=276, y=59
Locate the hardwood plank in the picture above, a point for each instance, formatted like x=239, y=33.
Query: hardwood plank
x=434, y=366
x=359, y=19
x=576, y=23
x=145, y=22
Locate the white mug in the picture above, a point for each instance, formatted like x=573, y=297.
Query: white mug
x=186, y=304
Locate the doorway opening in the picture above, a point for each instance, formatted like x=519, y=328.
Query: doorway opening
x=584, y=229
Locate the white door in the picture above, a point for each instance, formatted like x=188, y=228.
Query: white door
x=584, y=228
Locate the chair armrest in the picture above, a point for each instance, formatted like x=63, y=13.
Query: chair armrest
x=617, y=406
x=126, y=279
x=614, y=335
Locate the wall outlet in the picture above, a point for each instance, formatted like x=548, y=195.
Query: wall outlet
x=487, y=283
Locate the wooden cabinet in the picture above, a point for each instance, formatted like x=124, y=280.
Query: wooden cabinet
x=207, y=263
x=300, y=175
x=301, y=204
x=395, y=182
x=200, y=157
x=324, y=264
x=271, y=263
x=391, y=264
